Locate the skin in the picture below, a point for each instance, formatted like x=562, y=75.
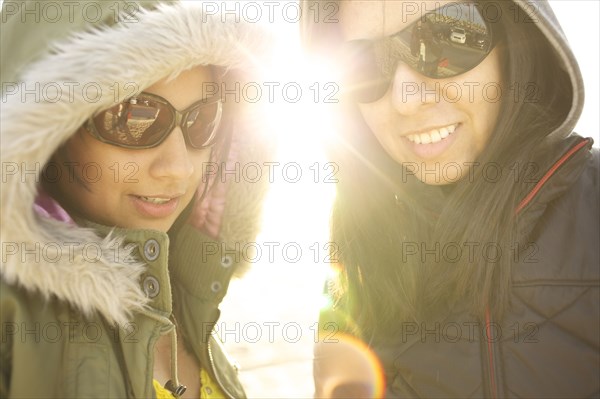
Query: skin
x=106, y=191
x=188, y=370
x=346, y=369
x=399, y=114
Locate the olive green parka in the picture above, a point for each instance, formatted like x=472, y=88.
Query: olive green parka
x=82, y=305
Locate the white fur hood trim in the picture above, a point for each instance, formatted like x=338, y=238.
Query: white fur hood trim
x=162, y=43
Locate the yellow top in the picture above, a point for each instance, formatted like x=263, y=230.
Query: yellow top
x=208, y=390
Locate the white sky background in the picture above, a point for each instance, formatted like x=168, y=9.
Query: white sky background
x=580, y=19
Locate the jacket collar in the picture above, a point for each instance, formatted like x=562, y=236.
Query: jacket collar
x=151, y=247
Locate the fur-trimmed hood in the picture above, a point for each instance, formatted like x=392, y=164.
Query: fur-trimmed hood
x=55, y=74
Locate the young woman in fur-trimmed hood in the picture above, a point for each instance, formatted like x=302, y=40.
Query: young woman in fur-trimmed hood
x=116, y=228
x=466, y=215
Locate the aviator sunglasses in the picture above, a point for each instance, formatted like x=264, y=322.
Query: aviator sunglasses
x=146, y=120
x=441, y=44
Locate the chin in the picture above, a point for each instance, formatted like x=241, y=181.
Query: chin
x=163, y=227
x=436, y=180
x=157, y=225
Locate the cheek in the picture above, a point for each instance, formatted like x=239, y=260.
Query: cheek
x=485, y=103
x=377, y=117
x=204, y=166
x=483, y=109
x=103, y=172
x=86, y=152
x=490, y=118
x=201, y=159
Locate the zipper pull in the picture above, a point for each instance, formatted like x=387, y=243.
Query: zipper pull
x=177, y=391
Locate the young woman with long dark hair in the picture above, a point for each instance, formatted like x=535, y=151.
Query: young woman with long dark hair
x=466, y=214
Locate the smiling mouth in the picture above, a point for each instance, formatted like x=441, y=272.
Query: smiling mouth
x=156, y=200
x=433, y=136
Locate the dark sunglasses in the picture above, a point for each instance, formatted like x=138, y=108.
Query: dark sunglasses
x=441, y=44
x=146, y=120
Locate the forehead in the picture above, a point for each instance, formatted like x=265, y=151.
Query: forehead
x=188, y=87
x=364, y=19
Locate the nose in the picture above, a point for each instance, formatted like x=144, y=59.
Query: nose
x=173, y=159
x=412, y=91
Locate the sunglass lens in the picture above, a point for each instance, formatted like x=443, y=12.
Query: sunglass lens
x=445, y=43
x=441, y=44
x=201, y=124
x=138, y=122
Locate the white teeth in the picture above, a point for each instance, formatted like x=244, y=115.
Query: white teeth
x=433, y=136
x=425, y=138
x=155, y=200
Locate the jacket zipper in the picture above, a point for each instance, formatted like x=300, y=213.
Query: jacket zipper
x=527, y=200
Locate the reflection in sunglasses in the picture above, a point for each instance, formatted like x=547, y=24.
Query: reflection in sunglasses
x=441, y=44
x=129, y=121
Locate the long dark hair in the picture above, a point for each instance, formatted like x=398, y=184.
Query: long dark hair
x=410, y=251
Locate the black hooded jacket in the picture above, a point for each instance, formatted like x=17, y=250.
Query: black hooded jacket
x=548, y=343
